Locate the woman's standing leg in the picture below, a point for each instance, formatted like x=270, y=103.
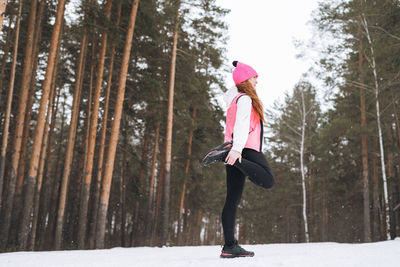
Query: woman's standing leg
x=234, y=182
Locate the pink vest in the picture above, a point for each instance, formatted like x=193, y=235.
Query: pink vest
x=254, y=140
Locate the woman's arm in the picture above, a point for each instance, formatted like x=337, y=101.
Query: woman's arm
x=242, y=123
x=240, y=130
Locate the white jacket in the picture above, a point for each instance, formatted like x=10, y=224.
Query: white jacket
x=242, y=123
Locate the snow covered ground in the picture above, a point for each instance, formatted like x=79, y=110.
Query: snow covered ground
x=385, y=254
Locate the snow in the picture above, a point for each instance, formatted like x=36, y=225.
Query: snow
x=386, y=253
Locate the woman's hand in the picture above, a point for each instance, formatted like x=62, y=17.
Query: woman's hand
x=233, y=155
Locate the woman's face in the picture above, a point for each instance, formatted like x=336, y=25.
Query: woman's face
x=253, y=81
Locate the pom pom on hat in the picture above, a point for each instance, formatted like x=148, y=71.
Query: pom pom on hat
x=242, y=72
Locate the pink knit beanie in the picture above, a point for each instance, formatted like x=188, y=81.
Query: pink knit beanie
x=242, y=72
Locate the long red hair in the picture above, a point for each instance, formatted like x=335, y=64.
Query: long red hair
x=247, y=88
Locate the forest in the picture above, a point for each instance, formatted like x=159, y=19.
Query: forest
x=107, y=106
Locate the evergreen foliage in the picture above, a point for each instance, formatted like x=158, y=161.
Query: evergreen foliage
x=332, y=149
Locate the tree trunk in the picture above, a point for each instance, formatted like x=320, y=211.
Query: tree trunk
x=308, y=155
x=48, y=180
x=168, y=143
x=160, y=190
x=48, y=239
x=390, y=144
x=6, y=50
x=397, y=134
x=28, y=109
x=197, y=230
x=122, y=200
x=187, y=165
x=77, y=183
x=285, y=215
x=24, y=146
x=9, y=102
x=303, y=181
x=37, y=143
x=144, y=158
x=376, y=206
x=103, y=134
x=150, y=209
x=364, y=150
x=142, y=173
x=43, y=154
x=87, y=180
x=26, y=75
x=18, y=197
x=378, y=119
x=396, y=118
x=186, y=226
x=325, y=215
x=3, y=4
x=71, y=141
x=109, y=166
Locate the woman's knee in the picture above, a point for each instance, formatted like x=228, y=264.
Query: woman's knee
x=268, y=183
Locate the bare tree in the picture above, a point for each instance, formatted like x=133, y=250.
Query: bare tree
x=378, y=120
x=299, y=119
x=303, y=178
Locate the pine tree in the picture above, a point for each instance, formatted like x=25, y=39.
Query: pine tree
x=92, y=135
x=71, y=140
x=375, y=22
x=109, y=166
x=26, y=75
x=167, y=178
x=296, y=127
x=9, y=102
x=65, y=145
x=37, y=143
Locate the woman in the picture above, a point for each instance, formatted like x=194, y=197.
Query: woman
x=241, y=151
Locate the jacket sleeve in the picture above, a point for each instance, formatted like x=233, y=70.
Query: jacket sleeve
x=242, y=123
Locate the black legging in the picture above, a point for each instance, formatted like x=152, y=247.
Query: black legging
x=256, y=167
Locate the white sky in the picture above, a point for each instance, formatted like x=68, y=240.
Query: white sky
x=261, y=35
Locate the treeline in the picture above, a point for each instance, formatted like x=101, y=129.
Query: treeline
x=105, y=109
x=337, y=167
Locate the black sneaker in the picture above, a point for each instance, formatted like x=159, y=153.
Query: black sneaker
x=235, y=251
x=217, y=154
